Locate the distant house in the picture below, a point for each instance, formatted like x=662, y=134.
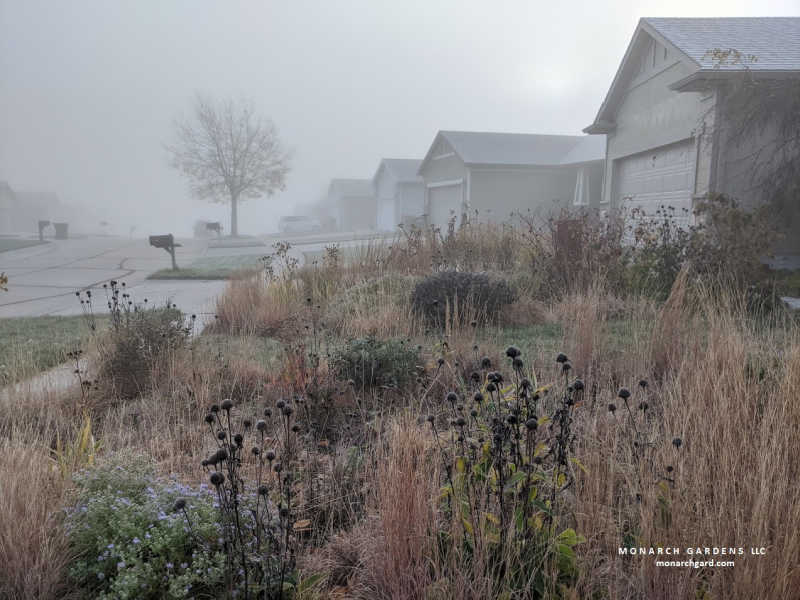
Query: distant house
x=353, y=204
x=399, y=193
x=489, y=176
x=7, y=201
x=665, y=117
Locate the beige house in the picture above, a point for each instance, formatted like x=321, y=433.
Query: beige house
x=670, y=137
x=489, y=176
x=352, y=202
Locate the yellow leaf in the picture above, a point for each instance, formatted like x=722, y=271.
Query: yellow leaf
x=461, y=464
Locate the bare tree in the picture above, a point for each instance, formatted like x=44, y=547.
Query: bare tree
x=229, y=153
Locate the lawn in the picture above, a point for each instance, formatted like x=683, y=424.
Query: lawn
x=212, y=267
x=31, y=345
x=8, y=244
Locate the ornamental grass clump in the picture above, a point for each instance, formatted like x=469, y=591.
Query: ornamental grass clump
x=506, y=446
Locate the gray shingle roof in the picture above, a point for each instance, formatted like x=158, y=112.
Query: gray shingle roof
x=404, y=169
x=773, y=42
x=350, y=187
x=522, y=149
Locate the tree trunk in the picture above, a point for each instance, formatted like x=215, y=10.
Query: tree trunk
x=234, y=216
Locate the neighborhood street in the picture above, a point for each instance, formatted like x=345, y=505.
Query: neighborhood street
x=44, y=278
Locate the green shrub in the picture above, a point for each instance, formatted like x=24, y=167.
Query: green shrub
x=467, y=294
x=370, y=362
x=129, y=544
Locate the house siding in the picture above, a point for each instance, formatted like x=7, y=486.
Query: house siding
x=496, y=193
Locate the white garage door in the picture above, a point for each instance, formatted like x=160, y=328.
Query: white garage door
x=387, y=221
x=659, y=177
x=445, y=202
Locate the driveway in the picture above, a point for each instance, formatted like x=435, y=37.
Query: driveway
x=43, y=279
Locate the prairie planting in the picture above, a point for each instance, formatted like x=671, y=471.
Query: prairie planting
x=485, y=413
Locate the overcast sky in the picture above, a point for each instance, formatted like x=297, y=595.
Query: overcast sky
x=88, y=90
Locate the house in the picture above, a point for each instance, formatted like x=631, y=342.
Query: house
x=399, y=193
x=489, y=176
x=7, y=202
x=669, y=130
x=352, y=202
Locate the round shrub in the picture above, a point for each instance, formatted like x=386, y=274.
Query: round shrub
x=371, y=362
x=479, y=293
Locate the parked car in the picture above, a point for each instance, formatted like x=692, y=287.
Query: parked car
x=299, y=224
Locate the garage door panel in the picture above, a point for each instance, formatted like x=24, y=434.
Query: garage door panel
x=658, y=177
x=445, y=201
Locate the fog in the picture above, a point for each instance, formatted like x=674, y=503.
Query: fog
x=88, y=90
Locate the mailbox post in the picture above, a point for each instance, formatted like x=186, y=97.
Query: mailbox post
x=42, y=226
x=166, y=242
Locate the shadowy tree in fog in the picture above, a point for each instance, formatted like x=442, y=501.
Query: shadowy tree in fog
x=229, y=153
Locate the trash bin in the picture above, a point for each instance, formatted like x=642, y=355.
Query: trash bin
x=61, y=230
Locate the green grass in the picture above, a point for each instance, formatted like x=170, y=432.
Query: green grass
x=7, y=244
x=30, y=345
x=212, y=267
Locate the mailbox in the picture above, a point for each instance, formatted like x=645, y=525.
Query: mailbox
x=166, y=242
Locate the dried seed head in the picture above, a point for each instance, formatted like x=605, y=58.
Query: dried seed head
x=612, y=407
x=512, y=419
x=577, y=385
x=440, y=361
x=429, y=419
x=491, y=387
x=217, y=478
x=473, y=413
x=284, y=512
x=278, y=467
x=643, y=383
x=643, y=406
x=261, y=425
x=221, y=454
x=256, y=450
x=517, y=363
x=677, y=442
x=180, y=504
x=531, y=424
x=268, y=412
x=280, y=404
x=669, y=469
x=561, y=358
x=214, y=408
x=624, y=393
x=247, y=423
x=209, y=418
x=451, y=397
x=296, y=428
x=566, y=367
x=221, y=435
x=478, y=397
x=288, y=410
x=270, y=455
x=461, y=421
x=238, y=439
x=227, y=404
x=486, y=362
x=475, y=376
x=263, y=490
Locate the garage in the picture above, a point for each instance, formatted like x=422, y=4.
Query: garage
x=662, y=176
x=445, y=201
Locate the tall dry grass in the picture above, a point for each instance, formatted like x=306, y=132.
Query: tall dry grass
x=33, y=547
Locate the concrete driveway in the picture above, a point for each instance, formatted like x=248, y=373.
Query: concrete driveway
x=43, y=279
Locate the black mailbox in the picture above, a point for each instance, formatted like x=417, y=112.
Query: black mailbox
x=166, y=242
x=215, y=227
